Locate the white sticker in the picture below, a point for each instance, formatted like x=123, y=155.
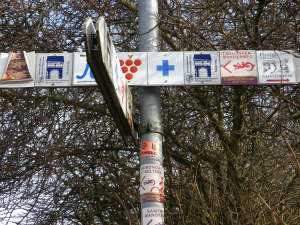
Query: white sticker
x=152, y=179
x=153, y=216
x=275, y=67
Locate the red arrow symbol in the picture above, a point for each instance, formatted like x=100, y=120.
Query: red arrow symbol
x=286, y=80
x=227, y=68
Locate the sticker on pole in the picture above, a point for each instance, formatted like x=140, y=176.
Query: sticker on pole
x=201, y=68
x=276, y=67
x=152, y=183
x=82, y=73
x=149, y=149
x=153, y=216
x=238, y=67
x=134, y=67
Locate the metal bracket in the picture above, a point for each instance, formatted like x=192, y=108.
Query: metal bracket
x=151, y=126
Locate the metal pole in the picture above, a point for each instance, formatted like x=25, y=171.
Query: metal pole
x=151, y=159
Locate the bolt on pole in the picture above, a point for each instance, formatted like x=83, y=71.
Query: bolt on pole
x=151, y=159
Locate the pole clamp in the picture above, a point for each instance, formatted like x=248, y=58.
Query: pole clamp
x=151, y=126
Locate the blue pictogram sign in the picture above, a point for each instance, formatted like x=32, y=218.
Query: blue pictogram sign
x=165, y=68
x=202, y=61
x=85, y=72
x=55, y=63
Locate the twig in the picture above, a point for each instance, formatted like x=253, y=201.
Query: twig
x=293, y=154
x=274, y=213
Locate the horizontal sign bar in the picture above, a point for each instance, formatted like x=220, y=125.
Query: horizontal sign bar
x=242, y=67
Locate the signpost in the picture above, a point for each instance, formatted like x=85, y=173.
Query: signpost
x=151, y=158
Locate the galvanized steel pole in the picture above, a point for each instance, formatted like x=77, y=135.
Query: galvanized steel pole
x=151, y=159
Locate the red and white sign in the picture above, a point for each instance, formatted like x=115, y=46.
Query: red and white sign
x=276, y=67
x=134, y=67
x=238, y=67
x=149, y=149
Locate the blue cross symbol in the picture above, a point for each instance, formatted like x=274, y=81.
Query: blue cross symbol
x=165, y=68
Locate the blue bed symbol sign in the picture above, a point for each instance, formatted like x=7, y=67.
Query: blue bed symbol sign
x=201, y=68
x=86, y=71
x=165, y=68
x=202, y=63
x=55, y=66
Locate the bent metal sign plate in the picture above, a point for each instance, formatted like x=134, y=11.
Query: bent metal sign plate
x=105, y=65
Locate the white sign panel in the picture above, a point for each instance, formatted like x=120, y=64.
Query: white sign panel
x=152, y=179
x=82, y=73
x=134, y=67
x=201, y=68
x=17, y=70
x=165, y=68
x=53, y=69
x=238, y=67
x=275, y=67
x=153, y=216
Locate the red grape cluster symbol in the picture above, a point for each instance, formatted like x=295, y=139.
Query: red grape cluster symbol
x=130, y=66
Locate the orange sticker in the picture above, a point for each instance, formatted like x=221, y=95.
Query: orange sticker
x=149, y=149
